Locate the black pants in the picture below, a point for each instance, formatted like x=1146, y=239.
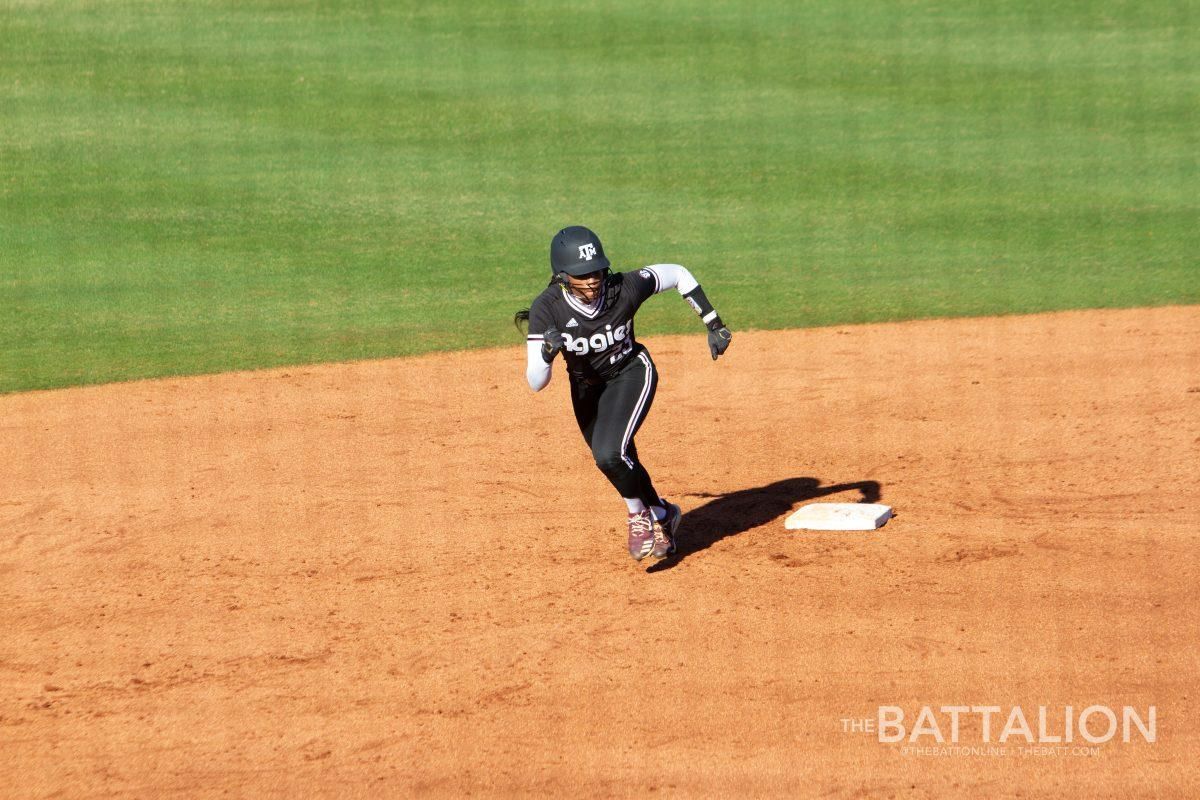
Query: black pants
x=609, y=415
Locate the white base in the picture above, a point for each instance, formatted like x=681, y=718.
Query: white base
x=839, y=517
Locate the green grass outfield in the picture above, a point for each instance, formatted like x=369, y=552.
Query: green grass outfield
x=200, y=186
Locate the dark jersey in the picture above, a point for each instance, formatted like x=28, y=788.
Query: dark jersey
x=598, y=339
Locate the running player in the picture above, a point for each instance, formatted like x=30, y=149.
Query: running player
x=586, y=313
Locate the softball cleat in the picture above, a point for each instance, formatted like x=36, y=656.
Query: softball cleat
x=664, y=532
x=642, y=529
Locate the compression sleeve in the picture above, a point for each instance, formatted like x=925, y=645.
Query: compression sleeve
x=674, y=276
x=537, y=371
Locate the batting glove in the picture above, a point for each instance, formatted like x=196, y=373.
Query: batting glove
x=552, y=342
x=718, y=338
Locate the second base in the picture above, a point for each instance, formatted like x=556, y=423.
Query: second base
x=839, y=517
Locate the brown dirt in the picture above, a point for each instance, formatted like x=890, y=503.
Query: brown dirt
x=406, y=577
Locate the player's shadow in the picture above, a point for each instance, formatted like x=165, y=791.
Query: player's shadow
x=737, y=512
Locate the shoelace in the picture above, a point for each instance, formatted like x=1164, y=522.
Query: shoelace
x=641, y=524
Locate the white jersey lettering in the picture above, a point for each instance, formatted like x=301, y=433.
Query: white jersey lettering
x=597, y=342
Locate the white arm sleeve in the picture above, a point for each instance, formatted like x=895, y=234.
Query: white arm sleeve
x=537, y=371
x=673, y=276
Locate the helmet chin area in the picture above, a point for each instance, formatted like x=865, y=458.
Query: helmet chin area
x=587, y=288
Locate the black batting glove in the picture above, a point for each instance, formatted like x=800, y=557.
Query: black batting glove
x=552, y=342
x=718, y=338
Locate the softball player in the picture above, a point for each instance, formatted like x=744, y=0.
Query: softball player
x=586, y=313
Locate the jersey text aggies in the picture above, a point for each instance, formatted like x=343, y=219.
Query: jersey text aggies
x=598, y=339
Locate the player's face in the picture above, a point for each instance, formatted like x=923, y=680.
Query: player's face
x=586, y=287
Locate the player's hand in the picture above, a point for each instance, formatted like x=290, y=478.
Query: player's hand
x=552, y=342
x=718, y=341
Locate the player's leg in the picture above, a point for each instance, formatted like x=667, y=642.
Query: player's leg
x=646, y=492
x=624, y=404
x=623, y=407
x=585, y=402
x=667, y=515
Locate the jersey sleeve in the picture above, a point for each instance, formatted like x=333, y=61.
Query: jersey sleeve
x=540, y=318
x=642, y=284
x=658, y=278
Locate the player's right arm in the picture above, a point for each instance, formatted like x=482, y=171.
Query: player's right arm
x=542, y=344
x=660, y=277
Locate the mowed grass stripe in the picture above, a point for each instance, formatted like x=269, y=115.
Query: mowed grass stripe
x=195, y=187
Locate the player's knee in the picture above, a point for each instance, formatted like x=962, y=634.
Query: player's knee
x=610, y=462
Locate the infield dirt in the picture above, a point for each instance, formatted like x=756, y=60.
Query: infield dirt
x=407, y=578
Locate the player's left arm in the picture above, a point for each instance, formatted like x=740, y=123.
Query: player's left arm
x=674, y=276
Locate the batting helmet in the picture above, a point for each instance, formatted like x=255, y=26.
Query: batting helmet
x=576, y=251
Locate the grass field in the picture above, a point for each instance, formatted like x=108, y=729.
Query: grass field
x=199, y=186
